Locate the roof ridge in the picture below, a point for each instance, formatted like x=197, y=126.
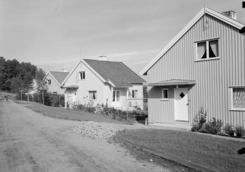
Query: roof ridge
x=104, y=61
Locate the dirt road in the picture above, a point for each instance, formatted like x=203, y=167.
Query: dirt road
x=32, y=142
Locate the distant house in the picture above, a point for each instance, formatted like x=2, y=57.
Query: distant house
x=203, y=66
x=103, y=82
x=54, y=80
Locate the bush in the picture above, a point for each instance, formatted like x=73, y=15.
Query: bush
x=213, y=126
x=90, y=109
x=239, y=131
x=229, y=130
x=199, y=120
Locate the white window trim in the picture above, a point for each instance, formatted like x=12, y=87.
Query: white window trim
x=231, y=97
x=116, y=96
x=165, y=99
x=207, y=49
x=93, y=91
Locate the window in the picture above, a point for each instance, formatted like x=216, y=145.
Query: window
x=134, y=93
x=164, y=93
x=92, y=95
x=116, y=96
x=81, y=75
x=238, y=98
x=49, y=81
x=207, y=49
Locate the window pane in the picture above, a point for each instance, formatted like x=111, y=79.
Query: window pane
x=213, y=49
x=113, y=97
x=118, y=95
x=90, y=95
x=239, y=97
x=83, y=75
x=201, y=50
x=164, y=94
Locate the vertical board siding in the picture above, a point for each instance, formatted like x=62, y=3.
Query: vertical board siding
x=212, y=77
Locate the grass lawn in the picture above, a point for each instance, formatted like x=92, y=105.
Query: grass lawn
x=62, y=113
x=212, y=152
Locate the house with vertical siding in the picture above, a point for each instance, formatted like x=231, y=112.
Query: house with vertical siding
x=202, y=66
x=54, y=80
x=98, y=81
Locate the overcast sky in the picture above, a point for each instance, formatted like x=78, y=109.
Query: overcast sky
x=55, y=34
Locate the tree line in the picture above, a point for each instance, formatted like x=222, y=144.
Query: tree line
x=18, y=77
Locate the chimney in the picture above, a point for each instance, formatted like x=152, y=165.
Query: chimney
x=102, y=58
x=231, y=14
x=64, y=70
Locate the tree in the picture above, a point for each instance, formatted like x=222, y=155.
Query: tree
x=15, y=76
x=39, y=77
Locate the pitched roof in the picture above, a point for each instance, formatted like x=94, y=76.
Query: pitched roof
x=204, y=11
x=116, y=72
x=59, y=76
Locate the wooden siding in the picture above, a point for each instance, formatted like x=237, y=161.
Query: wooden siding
x=213, y=77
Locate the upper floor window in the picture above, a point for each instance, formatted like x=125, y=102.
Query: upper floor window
x=134, y=93
x=207, y=49
x=81, y=75
x=49, y=81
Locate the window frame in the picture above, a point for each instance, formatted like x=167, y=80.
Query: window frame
x=207, y=49
x=133, y=97
x=116, y=95
x=163, y=95
x=231, y=99
x=82, y=73
x=92, y=92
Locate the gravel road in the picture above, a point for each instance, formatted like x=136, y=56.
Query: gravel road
x=32, y=142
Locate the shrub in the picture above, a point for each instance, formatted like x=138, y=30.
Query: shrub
x=199, y=120
x=90, y=109
x=239, y=131
x=229, y=130
x=80, y=107
x=213, y=126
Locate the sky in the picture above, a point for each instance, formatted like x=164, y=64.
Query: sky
x=56, y=34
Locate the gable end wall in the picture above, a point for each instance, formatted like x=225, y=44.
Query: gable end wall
x=213, y=77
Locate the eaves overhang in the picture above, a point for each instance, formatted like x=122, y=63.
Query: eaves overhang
x=173, y=83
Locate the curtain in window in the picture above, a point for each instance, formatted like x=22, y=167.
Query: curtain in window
x=201, y=47
x=94, y=95
x=214, y=47
x=239, y=97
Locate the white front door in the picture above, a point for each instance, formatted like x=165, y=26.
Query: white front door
x=181, y=104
